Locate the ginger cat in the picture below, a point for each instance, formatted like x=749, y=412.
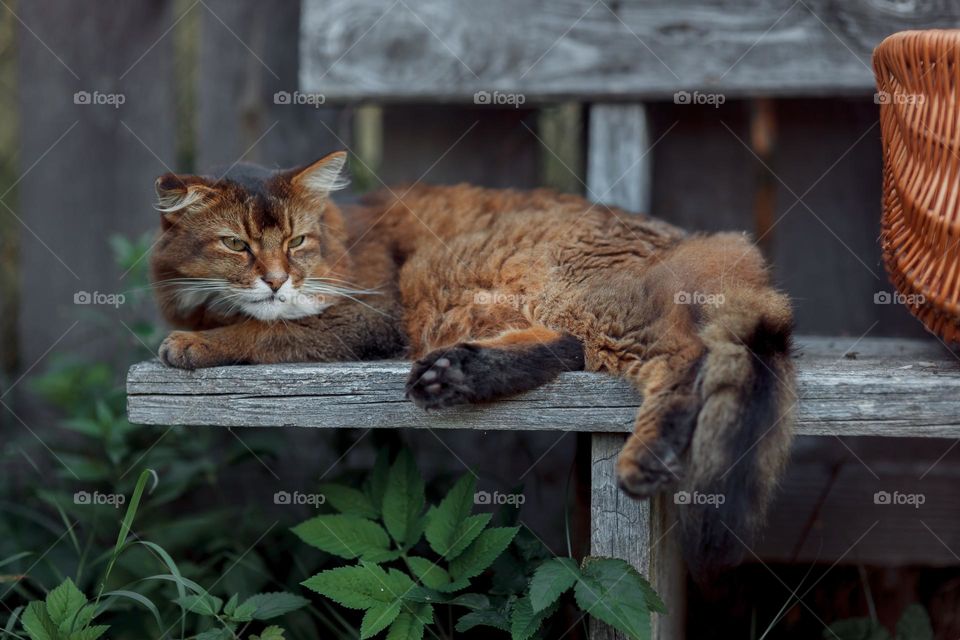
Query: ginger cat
x=494, y=292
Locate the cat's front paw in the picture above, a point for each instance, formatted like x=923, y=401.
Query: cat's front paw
x=188, y=350
x=440, y=379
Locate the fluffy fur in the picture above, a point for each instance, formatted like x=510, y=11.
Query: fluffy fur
x=494, y=292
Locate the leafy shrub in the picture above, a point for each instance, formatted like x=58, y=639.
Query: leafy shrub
x=914, y=624
x=67, y=614
x=409, y=560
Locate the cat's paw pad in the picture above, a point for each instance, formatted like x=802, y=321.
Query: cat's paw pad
x=186, y=350
x=439, y=379
x=642, y=471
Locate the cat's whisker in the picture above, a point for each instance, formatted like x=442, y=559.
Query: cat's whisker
x=337, y=282
x=333, y=289
x=341, y=294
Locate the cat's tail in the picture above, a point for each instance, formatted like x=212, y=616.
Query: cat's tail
x=744, y=427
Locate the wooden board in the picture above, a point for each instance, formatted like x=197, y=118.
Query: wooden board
x=555, y=49
x=890, y=387
x=247, y=106
x=86, y=168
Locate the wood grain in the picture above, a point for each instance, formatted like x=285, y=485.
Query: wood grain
x=891, y=387
x=619, y=158
x=448, y=50
x=619, y=525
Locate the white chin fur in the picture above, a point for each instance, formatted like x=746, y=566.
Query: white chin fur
x=286, y=304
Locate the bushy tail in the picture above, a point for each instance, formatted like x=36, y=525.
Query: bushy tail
x=744, y=427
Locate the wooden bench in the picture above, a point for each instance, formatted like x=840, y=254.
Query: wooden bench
x=610, y=56
x=874, y=386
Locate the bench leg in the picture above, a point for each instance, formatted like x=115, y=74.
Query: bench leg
x=638, y=532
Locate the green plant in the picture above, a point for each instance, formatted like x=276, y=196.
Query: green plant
x=914, y=624
x=46, y=534
x=67, y=614
x=399, y=582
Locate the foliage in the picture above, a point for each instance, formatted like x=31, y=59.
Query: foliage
x=914, y=624
x=410, y=560
x=51, y=528
x=67, y=614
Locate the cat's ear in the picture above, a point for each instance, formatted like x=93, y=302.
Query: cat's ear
x=323, y=176
x=177, y=194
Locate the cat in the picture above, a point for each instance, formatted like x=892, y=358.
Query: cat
x=493, y=292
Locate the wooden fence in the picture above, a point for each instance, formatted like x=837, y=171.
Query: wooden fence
x=200, y=80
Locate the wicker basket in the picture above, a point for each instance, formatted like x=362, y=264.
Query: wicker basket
x=918, y=77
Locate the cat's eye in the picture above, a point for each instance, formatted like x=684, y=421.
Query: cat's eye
x=296, y=242
x=234, y=243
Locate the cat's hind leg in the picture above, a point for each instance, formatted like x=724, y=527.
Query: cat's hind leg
x=483, y=370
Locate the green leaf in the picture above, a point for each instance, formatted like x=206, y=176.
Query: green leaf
x=271, y=605
x=131, y=512
x=482, y=552
x=856, y=629
x=138, y=598
x=486, y=618
x=525, y=621
x=243, y=613
x=359, y=587
x=349, y=500
x=11, y=622
x=347, y=536
x=37, y=623
x=64, y=603
x=914, y=624
x=375, y=485
x=202, y=604
x=403, y=500
x=456, y=585
x=379, y=617
x=475, y=601
x=90, y=633
x=405, y=627
x=231, y=606
x=422, y=612
x=612, y=591
x=216, y=634
x=550, y=580
x=270, y=633
x=450, y=528
x=428, y=573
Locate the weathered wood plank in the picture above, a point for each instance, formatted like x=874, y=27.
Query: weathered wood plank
x=619, y=159
x=828, y=499
x=619, y=525
x=96, y=120
x=891, y=388
x=248, y=105
x=619, y=174
x=443, y=50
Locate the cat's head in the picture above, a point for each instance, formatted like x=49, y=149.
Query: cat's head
x=259, y=243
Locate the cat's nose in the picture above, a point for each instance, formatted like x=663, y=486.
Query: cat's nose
x=275, y=280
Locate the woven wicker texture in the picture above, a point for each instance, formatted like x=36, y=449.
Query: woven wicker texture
x=918, y=77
